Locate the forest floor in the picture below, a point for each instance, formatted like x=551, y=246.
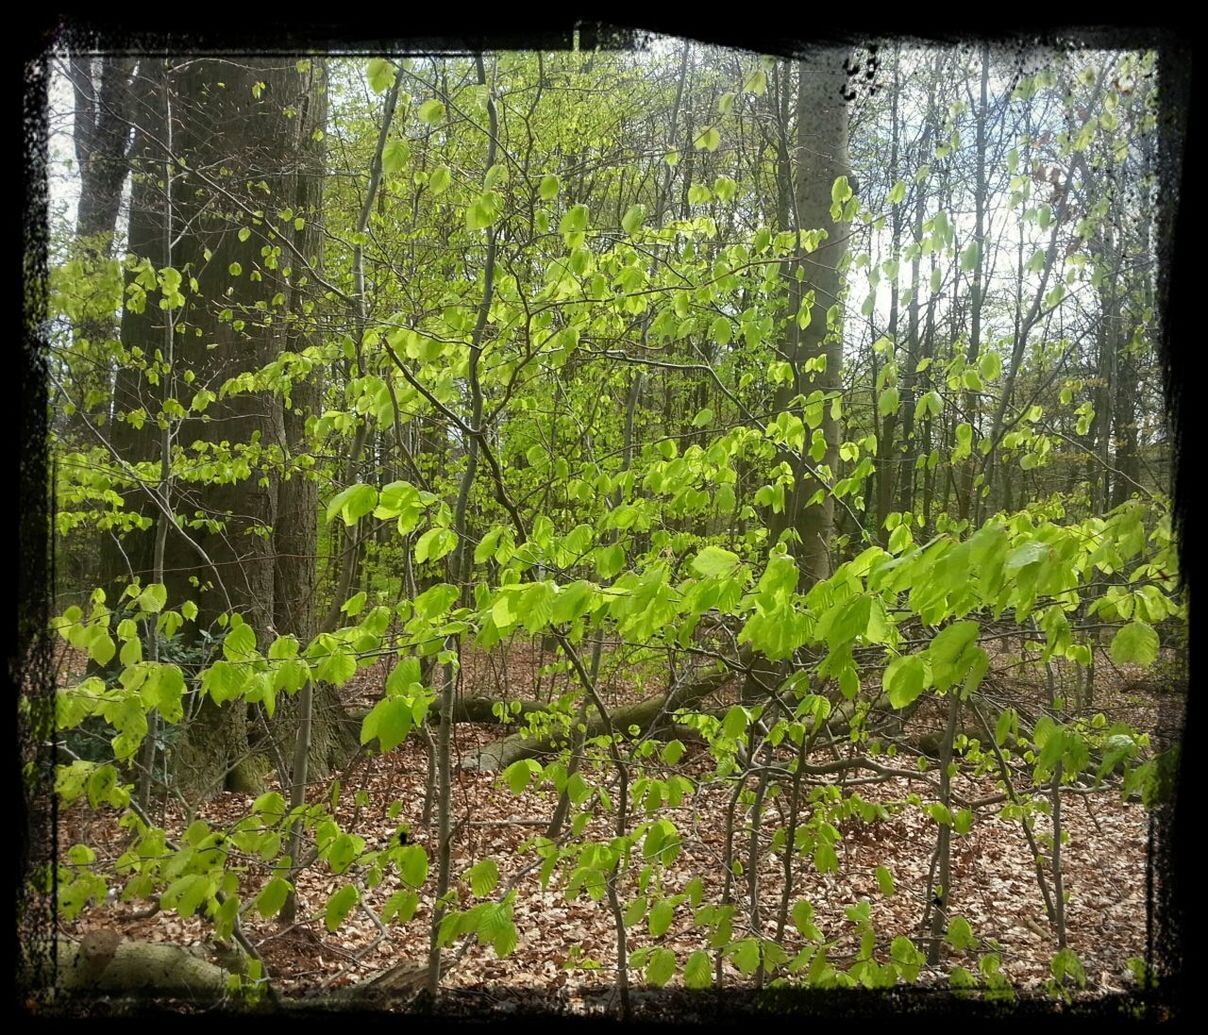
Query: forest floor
x=566, y=948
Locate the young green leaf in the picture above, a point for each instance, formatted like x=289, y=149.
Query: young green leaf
x=713, y=561
x=632, y=219
x=431, y=111
x=340, y=905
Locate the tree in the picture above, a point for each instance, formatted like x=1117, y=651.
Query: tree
x=224, y=234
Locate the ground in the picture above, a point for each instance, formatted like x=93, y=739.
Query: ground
x=567, y=947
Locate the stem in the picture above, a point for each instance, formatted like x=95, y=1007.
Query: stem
x=460, y=562
x=944, y=840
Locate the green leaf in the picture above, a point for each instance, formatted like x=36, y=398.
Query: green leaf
x=439, y=180
x=698, y=973
x=573, y=601
x=187, y=893
x=102, y=648
x=340, y=905
x=336, y=668
x=484, y=211
x=272, y=898
x=885, y=881
x=948, y=652
x=1136, y=643
x=575, y=220
x=702, y=418
x=713, y=561
x=400, y=906
x=708, y=139
x=735, y=722
x=412, y=863
x=549, y=187
x=354, y=605
x=431, y=111
x=672, y=752
x=435, y=544
x=904, y=679
x=239, y=644
x=483, y=877
x=381, y=74
x=394, y=156
x=660, y=968
x=389, y=721
x=353, y=503
x=153, y=598
x=960, y=934
x=745, y=955
x=81, y=855
x=632, y=219
x=520, y=774
x=1005, y=726
x=131, y=653
x=661, y=916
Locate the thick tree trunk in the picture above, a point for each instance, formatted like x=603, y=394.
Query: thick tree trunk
x=822, y=157
x=256, y=528
x=105, y=963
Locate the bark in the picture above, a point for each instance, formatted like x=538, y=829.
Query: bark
x=822, y=157
x=105, y=963
x=647, y=715
x=189, y=219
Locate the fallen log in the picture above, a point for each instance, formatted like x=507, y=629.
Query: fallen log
x=647, y=715
x=104, y=962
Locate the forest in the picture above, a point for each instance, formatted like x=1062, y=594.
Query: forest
x=551, y=525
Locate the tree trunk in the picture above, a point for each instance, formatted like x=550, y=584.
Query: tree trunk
x=256, y=529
